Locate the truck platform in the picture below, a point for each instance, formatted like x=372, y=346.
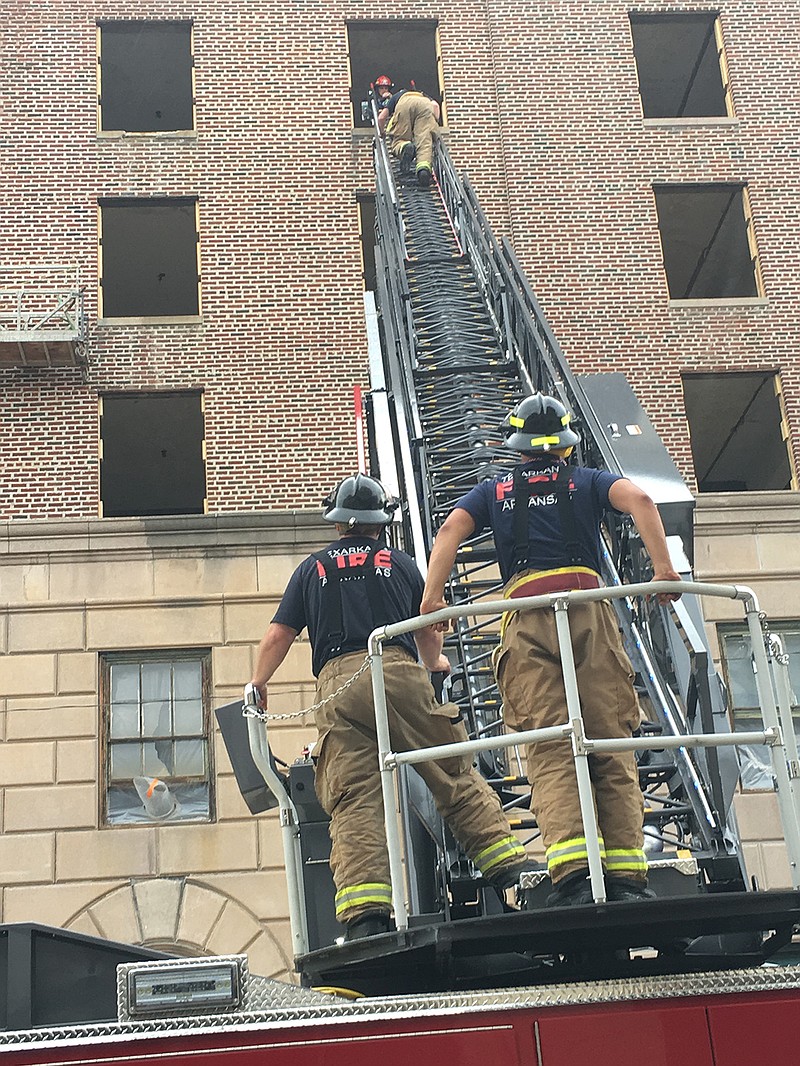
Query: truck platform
x=677, y=935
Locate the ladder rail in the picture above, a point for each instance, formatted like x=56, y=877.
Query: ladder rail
x=449, y=356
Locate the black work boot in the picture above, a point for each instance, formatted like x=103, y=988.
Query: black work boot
x=423, y=177
x=625, y=890
x=373, y=923
x=508, y=876
x=408, y=154
x=574, y=890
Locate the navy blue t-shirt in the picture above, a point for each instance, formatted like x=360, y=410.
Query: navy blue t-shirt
x=391, y=101
x=398, y=581
x=491, y=505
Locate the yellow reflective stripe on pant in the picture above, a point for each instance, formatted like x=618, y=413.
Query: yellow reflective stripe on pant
x=378, y=894
x=502, y=853
x=624, y=860
x=573, y=850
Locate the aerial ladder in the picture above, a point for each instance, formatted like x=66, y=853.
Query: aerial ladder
x=464, y=339
x=456, y=338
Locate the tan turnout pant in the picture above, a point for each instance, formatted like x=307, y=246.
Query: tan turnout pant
x=531, y=683
x=414, y=119
x=348, y=779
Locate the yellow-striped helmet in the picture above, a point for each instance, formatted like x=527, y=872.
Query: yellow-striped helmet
x=538, y=424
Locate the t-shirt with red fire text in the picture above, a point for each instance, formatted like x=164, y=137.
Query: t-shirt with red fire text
x=491, y=505
x=306, y=601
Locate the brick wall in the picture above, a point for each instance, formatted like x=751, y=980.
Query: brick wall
x=582, y=163
x=544, y=115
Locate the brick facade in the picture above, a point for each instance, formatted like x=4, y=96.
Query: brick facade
x=582, y=162
x=544, y=115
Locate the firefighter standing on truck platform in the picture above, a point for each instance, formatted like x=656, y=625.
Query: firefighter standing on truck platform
x=411, y=119
x=341, y=594
x=545, y=517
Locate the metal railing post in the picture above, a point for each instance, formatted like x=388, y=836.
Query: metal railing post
x=783, y=782
x=580, y=753
x=783, y=690
x=787, y=771
x=388, y=785
x=290, y=830
x=574, y=727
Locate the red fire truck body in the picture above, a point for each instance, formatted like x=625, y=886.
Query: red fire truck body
x=724, y=1019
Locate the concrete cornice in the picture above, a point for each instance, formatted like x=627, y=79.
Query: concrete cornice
x=725, y=513
x=269, y=532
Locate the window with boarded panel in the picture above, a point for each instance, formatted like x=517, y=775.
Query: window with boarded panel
x=366, y=225
x=405, y=50
x=149, y=258
x=707, y=241
x=146, y=80
x=681, y=65
x=153, y=454
x=738, y=431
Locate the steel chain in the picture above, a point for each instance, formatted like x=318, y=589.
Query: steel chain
x=265, y=716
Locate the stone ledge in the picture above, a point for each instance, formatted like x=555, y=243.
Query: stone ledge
x=273, y=532
x=724, y=513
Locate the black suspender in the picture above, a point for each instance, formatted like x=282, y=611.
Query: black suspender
x=332, y=593
x=522, y=494
x=566, y=515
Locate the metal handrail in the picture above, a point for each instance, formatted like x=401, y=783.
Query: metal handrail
x=68, y=307
x=786, y=775
x=258, y=740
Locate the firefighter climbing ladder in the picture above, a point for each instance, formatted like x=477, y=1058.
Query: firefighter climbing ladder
x=463, y=338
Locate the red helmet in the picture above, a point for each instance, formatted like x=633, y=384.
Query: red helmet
x=383, y=82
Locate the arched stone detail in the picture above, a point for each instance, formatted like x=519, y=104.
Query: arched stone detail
x=186, y=916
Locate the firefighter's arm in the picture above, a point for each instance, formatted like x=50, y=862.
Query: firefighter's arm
x=383, y=118
x=272, y=651
x=429, y=645
x=625, y=496
x=457, y=527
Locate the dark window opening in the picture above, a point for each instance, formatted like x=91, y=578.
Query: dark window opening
x=156, y=737
x=738, y=431
x=681, y=65
x=366, y=221
x=149, y=258
x=146, y=76
x=707, y=241
x=405, y=50
x=153, y=461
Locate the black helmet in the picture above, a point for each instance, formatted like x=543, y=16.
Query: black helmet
x=539, y=423
x=359, y=500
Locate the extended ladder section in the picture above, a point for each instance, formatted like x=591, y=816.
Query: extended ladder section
x=463, y=339
x=457, y=339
